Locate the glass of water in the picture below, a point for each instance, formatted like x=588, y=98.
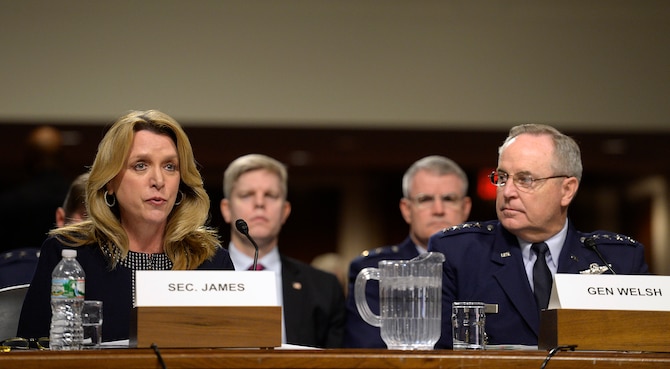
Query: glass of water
x=467, y=321
x=91, y=318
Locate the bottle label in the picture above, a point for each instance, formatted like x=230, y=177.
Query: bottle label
x=66, y=288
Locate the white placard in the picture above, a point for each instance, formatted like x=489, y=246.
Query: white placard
x=205, y=288
x=610, y=292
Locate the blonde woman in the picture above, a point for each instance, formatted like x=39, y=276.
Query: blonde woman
x=147, y=211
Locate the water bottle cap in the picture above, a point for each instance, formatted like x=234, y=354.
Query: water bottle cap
x=69, y=253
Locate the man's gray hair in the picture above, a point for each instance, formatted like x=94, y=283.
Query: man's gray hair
x=436, y=164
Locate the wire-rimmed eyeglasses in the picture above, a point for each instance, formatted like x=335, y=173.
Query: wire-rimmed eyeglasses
x=423, y=201
x=522, y=181
x=18, y=343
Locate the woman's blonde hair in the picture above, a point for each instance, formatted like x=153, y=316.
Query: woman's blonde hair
x=188, y=242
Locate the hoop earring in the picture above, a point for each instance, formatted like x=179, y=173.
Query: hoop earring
x=176, y=203
x=108, y=202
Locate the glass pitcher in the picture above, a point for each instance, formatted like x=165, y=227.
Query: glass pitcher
x=410, y=301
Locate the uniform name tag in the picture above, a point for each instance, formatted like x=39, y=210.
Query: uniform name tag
x=205, y=288
x=610, y=292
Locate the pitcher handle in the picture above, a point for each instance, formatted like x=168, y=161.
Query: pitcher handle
x=359, y=296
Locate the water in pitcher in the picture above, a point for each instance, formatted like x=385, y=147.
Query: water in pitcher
x=410, y=312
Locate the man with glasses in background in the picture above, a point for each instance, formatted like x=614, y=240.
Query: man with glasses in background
x=496, y=262
x=434, y=197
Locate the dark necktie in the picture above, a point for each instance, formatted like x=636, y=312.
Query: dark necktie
x=258, y=267
x=541, y=275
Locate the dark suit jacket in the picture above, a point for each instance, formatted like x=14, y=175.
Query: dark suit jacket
x=313, y=305
x=358, y=333
x=484, y=263
x=112, y=287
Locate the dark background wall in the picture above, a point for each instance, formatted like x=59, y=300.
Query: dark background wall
x=325, y=164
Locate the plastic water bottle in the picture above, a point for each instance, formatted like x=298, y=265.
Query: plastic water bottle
x=67, y=300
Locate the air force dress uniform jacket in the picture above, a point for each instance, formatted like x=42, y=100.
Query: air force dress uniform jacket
x=484, y=263
x=358, y=333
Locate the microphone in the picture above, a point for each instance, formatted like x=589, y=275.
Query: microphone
x=243, y=228
x=590, y=243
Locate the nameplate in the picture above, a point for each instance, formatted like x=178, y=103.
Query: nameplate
x=610, y=292
x=205, y=288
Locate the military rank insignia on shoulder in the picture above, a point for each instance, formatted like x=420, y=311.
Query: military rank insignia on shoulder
x=381, y=250
x=470, y=227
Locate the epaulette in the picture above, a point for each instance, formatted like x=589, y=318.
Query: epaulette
x=388, y=249
x=19, y=255
x=609, y=238
x=469, y=227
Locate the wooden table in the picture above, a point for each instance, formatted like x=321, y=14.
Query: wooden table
x=326, y=359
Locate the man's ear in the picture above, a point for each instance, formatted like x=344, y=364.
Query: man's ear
x=286, y=211
x=570, y=186
x=405, y=210
x=224, y=205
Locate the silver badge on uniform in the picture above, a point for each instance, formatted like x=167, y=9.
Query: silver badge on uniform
x=594, y=269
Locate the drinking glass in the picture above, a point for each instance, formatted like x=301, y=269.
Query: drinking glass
x=467, y=321
x=91, y=318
